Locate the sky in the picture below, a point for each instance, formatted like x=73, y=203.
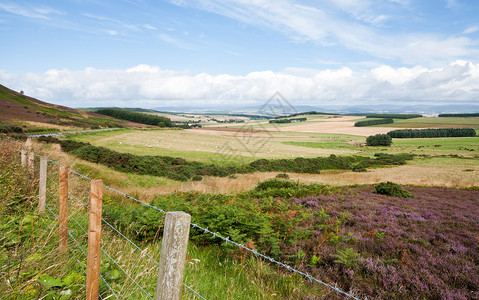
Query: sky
x=223, y=53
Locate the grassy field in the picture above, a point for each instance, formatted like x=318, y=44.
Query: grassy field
x=441, y=169
x=428, y=122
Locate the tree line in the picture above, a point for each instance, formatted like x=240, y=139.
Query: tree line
x=288, y=120
x=394, y=116
x=459, y=115
x=432, y=133
x=136, y=117
x=373, y=122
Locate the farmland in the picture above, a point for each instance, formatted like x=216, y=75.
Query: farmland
x=332, y=225
x=439, y=161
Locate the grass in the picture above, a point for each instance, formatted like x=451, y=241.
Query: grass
x=32, y=268
x=434, y=122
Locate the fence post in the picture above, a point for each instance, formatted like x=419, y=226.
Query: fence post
x=42, y=196
x=31, y=158
x=31, y=164
x=24, y=158
x=173, y=255
x=63, y=214
x=94, y=240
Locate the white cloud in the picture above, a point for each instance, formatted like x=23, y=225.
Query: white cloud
x=150, y=27
x=327, y=26
x=452, y=3
x=154, y=87
x=471, y=29
x=29, y=12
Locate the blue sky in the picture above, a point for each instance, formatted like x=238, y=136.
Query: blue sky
x=183, y=52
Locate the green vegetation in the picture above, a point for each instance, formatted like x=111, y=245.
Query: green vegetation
x=436, y=122
x=136, y=117
x=180, y=169
x=32, y=268
x=392, y=189
x=7, y=128
x=373, y=122
x=432, y=133
x=308, y=113
x=394, y=116
x=459, y=115
x=379, y=140
x=287, y=120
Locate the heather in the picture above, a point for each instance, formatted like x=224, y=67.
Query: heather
x=377, y=246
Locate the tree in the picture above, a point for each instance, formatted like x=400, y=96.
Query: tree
x=379, y=140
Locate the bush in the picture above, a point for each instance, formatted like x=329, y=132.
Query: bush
x=5, y=128
x=379, y=140
x=282, y=176
x=196, y=178
x=392, y=189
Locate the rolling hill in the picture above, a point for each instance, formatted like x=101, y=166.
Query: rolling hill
x=34, y=115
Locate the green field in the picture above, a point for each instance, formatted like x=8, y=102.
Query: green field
x=435, y=122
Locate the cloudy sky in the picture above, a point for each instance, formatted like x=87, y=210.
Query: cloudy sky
x=141, y=53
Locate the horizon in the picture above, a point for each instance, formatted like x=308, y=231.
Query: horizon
x=205, y=53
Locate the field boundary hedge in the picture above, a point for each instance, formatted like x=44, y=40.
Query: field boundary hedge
x=373, y=122
x=394, y=116
x=432, y=133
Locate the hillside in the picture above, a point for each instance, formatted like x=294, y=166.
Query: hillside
x=33, y=114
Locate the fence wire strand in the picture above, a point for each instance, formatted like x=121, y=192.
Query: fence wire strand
x=79, y=247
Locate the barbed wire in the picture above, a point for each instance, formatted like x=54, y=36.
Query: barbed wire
x=79, y=247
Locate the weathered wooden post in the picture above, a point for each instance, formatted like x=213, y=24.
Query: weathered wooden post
x=173, y=255
x=94, y=240
x=23, y=158
x=63, y=213
x=31, y=164
x=42, y=193
x=31, y=157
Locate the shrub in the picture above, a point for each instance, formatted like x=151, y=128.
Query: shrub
x=10, y=129
x=282, y=176
x=379, y=140
x=196, y=178
x=392, y=189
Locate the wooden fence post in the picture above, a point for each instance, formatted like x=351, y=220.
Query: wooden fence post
x=24, y=158
x=31, y=158
x=63, y=214
x=173, y=255
x=94, y=240
x=42, y=193
x=31, y=164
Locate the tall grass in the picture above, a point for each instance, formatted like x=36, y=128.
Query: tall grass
x=32, y=268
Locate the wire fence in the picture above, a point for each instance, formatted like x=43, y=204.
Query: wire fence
x=144, y=253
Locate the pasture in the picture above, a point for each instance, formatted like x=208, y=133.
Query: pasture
x=451, y=162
